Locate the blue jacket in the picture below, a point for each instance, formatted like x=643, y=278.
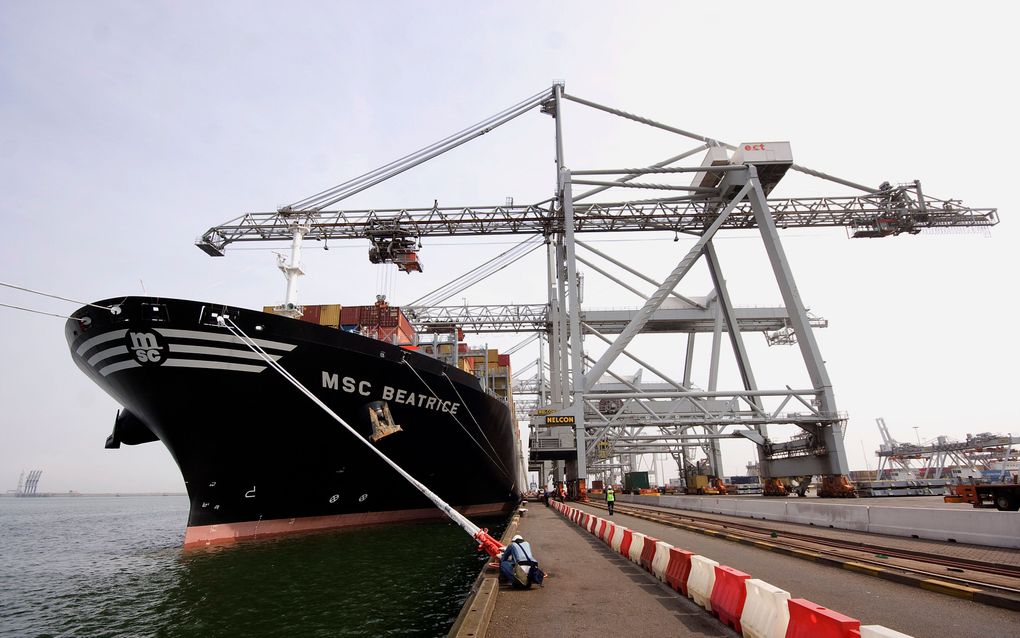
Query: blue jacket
x=518, y=551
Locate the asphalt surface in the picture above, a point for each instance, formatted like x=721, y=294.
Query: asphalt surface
x=591, y=591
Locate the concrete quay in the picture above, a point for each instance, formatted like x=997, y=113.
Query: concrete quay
x=589, y=591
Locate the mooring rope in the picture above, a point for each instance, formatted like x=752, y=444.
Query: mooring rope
x=46, y=294
x=495, y=459
x=443, y=506
x=38, y=312
x=471, y=414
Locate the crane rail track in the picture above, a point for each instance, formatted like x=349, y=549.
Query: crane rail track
x=1003, y=581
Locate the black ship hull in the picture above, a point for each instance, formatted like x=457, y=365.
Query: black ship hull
x=258, y=456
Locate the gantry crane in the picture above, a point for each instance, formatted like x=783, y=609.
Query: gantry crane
x=728, y=190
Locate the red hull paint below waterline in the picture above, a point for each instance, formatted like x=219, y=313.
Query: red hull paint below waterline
x=226, y=533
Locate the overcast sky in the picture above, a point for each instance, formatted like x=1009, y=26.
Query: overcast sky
x=127, y=129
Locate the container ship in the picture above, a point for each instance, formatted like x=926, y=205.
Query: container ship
x=258, y=457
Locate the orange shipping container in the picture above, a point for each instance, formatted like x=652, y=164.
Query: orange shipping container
x=329, y=315
x=403, y=323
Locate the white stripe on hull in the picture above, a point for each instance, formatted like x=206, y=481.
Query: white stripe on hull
x=98, y=339
x=223, y=352
x=102, y=355
x=213, y=365
x=184, y=363
x=117, y=367
x=224, y=338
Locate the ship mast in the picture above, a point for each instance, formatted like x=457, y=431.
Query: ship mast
x=291, y=271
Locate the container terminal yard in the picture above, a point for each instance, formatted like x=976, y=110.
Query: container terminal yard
x=791, y=549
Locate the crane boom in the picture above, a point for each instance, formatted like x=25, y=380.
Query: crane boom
x=891, y=212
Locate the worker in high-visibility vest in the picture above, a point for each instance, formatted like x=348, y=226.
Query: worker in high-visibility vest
x=610, y=498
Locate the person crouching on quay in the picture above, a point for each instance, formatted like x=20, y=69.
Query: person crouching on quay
x=518, y=566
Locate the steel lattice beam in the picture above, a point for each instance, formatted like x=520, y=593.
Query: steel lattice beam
x=887, y=213
x=535, y=318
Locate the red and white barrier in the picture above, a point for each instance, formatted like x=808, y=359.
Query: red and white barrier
x=766, y=611
x=625, y=542
x=603, y=523
x=878, y=631
x=648, y=552
x=608, y=535
x=637, y=545
x=728, y=595
x=617, y=540
x=593, y=524
x=702, y=580
x=660, y=561
x=679, y=569
x=810, y=620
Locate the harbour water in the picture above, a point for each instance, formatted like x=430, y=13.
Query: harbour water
x=113, y=566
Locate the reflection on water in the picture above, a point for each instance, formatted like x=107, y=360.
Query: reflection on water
x=114, y=567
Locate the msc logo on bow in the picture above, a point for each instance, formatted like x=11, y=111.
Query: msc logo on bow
x=148, y=347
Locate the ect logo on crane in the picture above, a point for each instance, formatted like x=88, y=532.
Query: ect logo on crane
x=148, y=348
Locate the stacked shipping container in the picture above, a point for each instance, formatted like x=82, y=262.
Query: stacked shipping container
x=379, y=321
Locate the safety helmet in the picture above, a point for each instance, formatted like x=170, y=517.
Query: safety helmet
x=517, y=537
